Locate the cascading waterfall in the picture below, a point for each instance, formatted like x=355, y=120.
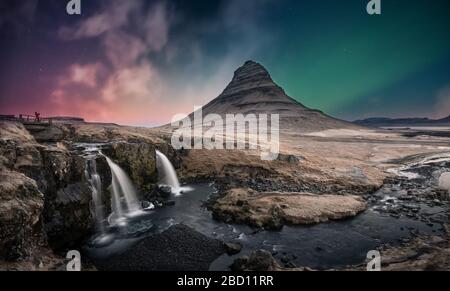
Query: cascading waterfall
x=167, y=174
x=124, y=199
x=125, y=205
x=96, y=186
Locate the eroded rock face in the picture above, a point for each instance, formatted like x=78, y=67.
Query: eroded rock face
x=104, y=172
x=21, y=201
x=21, y=206
x=44, y=197
x=68, y=215
x=45, y=132
x=272, y=210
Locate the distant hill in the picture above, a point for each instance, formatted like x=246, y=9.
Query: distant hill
x=67, y=119
x=406, y=122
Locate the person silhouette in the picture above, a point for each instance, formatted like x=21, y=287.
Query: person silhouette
x=37, y=115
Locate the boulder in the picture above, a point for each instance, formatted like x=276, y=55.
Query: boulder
x=164, y=191
x=272, y=209
x=21, y=206
x=232, y=248
x=259, y=261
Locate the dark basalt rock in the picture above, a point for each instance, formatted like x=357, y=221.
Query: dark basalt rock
x=67, y=212
x=179, y=248
x=69, y=217
x=233, y=248
x=164, y=191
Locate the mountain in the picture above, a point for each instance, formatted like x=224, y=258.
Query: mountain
x=395, y=122
x=252, y=91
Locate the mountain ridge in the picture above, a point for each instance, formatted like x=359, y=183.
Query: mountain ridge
x=253, y=91
x=412, y=121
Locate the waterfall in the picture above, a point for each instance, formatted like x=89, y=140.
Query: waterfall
x=124, y=201
x=96, y=187
x=167, y=174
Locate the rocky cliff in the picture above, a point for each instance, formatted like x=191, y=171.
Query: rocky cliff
x=45, y=199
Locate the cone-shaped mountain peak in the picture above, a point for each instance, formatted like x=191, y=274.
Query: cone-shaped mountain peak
x=249, y=76
x=252, y=91
x=251, y=69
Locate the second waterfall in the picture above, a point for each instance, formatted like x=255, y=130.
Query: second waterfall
x=167, y=174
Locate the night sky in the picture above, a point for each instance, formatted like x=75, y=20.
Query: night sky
x=140, y=62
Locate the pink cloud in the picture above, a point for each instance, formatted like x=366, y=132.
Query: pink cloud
x=113, y=17
x=86, y=75
x=128, y=88
x=133, y=84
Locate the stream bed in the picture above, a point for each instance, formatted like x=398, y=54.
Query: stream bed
x=328, y=245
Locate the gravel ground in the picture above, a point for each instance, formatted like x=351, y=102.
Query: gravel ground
x=179, y=248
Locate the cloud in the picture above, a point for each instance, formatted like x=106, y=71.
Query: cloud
x=86, y=75
x=128, y=33
x=132, y=85
x=156, y=27
x=123, y=49
x=114, y=16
